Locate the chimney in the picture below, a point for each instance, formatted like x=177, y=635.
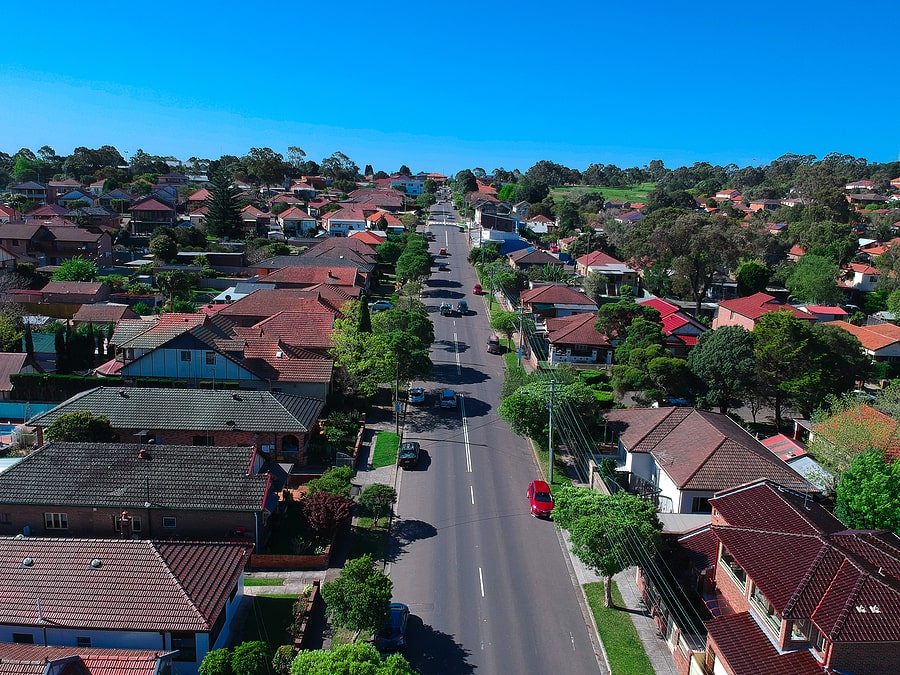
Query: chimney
x=143, y=454
x=125, y=529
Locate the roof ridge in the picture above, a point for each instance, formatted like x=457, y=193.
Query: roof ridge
x=807, y=578
x=844, y=614
x=174, y=577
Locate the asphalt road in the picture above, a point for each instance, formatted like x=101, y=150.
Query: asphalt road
x=488, y=586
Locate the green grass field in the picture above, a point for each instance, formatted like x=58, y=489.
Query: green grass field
x=635, y=193
x=270, y=619
x=385, y=453
x=618, y=634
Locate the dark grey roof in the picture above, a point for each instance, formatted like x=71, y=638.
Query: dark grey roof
x=114, y=475
x=192, y=409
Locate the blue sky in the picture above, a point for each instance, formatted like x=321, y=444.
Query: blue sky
x=447, y=86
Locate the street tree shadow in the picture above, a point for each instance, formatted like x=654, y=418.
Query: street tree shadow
x=450, y=345
x=431, y=652
x=441, y=283
x=406, y=532
x=446, y=373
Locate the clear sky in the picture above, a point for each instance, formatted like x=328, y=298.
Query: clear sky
x=445, y=86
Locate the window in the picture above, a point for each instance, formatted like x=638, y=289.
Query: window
x=23, y=638
x=56, y=521
x=701, y=505
x=169, y=522
x=734, y=570
x=210, y=358
x=5, y=518
x=203, y=440
x=185, y=356
x=186, y=644
x=765, y=608
x=135, y=524
x=83, y=641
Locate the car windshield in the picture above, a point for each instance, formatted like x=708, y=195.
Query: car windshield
x=542, y=497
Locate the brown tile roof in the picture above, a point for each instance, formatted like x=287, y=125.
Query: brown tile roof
x=152, y=205
x=25, y=659
x=701, y=450
x=311, y=330
x=104, y=313
x=555, y=294
x=327, y=274
x=533, y=257
x=10, y=364
x=265, y=303
x=135, y=585
x=872, y=338
x=577, y=329
x=73, y=287
x=701, y=546
x=163, y=329
x=742, y=644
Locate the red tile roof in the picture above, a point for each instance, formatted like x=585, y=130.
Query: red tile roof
x=758, y=304
x=741, y=643
x=577, y=329
x=597, y=259
x=328, y=274
x=875, y=337
x=556, y=294
x=135, y=585
x=25, y=659
x=152, y=205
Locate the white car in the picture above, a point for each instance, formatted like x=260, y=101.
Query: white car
x=380, y=305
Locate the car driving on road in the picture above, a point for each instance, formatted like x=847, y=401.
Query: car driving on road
x=416, y=395
x=448, y=398
x=540, y=499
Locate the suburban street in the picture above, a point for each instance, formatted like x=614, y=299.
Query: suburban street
x=488, y=586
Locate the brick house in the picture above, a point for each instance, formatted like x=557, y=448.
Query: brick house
x=679, y=327
x=791, y=589
x=168, y=491
x=149, y=213
x=555, y=300
x=279, y=424
x=573, y=339
x=746, y=311
x=617, y=273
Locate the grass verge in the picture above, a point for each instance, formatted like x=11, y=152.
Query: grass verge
x=270, y=619
x=263, y=581
x=369, y=539
x=386, y=445
x=617, y=632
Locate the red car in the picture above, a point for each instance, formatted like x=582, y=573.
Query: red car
x=476, y=289
x=540, y=499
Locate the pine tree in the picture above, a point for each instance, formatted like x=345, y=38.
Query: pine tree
x=223, y=217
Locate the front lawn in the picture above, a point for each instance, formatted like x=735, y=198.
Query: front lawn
x=617, y=632
x=263, y=581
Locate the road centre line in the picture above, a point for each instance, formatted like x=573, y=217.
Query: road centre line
x=481, y=581
x=456, y=345
x=465, y=426
x=472, y=492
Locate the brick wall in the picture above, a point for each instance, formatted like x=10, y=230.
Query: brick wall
x=261, y=562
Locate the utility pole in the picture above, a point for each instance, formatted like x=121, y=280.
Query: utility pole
x=550, y=444
x=521, y=316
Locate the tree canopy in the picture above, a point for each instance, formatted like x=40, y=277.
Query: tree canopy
x=723, y=360
x=80, y=426
x=358, y=658
x=76, y=269
x=608, y=533
x=359, y=598
x=868, y=492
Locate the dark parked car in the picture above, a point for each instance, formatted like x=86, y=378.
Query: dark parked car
x=408, y=456
x=446, y=309
x=462, y=307
x=540, y=499
x=493, y=345
x=391, y=637
x=448, y=398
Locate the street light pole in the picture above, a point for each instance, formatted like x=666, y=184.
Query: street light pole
x=521, y=317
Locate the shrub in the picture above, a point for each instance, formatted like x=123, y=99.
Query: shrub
x=336, y=482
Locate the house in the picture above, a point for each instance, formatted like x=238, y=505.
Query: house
x=74, y=292
x=541, y=224
x=68, y=242
x=410, y=186
x=527, y=259
x=255, y=222
x=96, y=217
x=875, y=428
x=279, y=424
x=30, y=190
x=13, y=363
x=372, y=199
x=196, y=349
x=881, y=342
x=382, y=221
x=349, y=277
x=521, y=208
x=617, y=273
x=339, y=223
x=264, y=303
x=296, y=222
x=573, y=339
x=549, y=301
x=679, y=327
x=8, y=213
x=792, y=590
x=765, y=204
x=630, y=217
x=149, y=213
x=46, y=212
x=728, y=195
x=7, y=259
x=168, y=596
x=28, y=659
x=200, y=494
x=198, y=199
x=824, y=313
x=746, y=311
x=864, y=184
x=78, y=195
x=103, y=313
x=346, y=248
x=793, y=453
x=680, y=457
x=860, y=277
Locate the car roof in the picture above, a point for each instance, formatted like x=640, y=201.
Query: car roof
x=448, y=392
x=540, y=486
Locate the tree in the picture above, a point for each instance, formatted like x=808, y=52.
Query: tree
x=223, y=216
x=266, y=165
x=868, y=492
x=76, y=269
x=358, y=658
x=360, y=596
x=164, y=248
x=614, y=318
x=216, y=662
x=723, y=360
x=752, y=277
x=788, y=367
x=175, y=285
x=608, y=532
x=340, y=167
x=80, y=426
x=324, y=512
x=506, y=323
x=814, y=279
x=251, y=658
x=377, y=497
